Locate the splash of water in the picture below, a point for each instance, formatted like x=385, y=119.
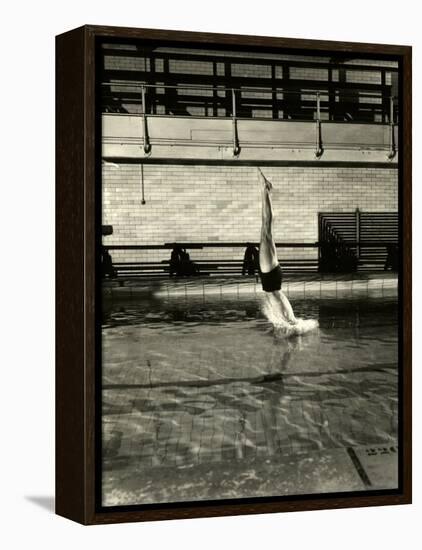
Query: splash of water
x=283, y=327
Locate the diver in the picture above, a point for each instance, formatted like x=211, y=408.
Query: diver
x=278, y=308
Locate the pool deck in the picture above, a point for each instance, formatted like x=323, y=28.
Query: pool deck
x=341, y=470
x=316, y=284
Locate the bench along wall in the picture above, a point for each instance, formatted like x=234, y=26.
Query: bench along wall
x=203, y=203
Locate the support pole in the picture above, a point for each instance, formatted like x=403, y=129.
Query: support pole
x=357, y=219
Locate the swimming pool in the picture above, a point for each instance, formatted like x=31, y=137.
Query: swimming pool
x=201, y=399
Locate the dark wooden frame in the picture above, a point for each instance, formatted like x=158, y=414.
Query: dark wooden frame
x=76, y=283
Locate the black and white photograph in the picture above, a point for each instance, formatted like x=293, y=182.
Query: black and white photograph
x=250, y=255
x=211, y=249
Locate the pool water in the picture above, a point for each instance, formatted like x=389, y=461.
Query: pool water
x=202, y=399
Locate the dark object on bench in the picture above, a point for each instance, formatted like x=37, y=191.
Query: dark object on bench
x=250, y=260
x=337, y=257
x=106, y=230
x=107, y=268
x=180, y=263
x=392, y=260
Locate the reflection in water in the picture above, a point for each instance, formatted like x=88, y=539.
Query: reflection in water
x=192, y=382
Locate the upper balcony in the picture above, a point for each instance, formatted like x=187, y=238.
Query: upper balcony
x=178, y=117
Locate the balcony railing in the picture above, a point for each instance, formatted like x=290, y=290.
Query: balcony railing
x=330, y=104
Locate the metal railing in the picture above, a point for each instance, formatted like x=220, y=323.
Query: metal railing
x=338, y=104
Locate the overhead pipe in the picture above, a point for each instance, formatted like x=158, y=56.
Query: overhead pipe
x=319, y=148
x=236, y=146
x=393, y=149
x=142, y=185
x=147, y=145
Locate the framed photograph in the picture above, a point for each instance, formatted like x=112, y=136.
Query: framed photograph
x=233, y=274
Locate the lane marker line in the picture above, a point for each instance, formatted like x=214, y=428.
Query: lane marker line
x=359, y=467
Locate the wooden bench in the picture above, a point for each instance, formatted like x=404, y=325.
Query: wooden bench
x=207, y=268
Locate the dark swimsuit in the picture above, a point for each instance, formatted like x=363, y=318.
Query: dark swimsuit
x=272, y=280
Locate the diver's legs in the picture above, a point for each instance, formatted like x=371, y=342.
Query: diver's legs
x=267, y=250
x=280, y=302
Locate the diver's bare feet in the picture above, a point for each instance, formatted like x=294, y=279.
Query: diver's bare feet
x=266, y=185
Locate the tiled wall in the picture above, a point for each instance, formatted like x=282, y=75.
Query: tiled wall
x=222, y=203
